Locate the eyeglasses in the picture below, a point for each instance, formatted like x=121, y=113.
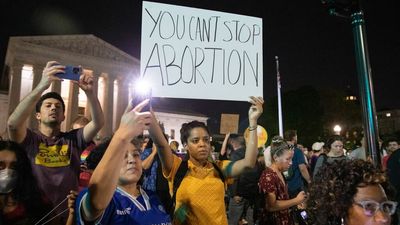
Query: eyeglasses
x=371, y=207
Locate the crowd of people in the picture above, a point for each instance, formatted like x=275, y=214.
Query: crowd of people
x=52, y=177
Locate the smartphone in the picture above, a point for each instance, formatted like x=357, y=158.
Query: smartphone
x=303, y=214
x=71, y=73
x=139, y=96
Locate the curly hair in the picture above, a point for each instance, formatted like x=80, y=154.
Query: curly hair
x=331, y=197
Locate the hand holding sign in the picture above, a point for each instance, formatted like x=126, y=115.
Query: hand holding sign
x=256, y=109
x=201, y=54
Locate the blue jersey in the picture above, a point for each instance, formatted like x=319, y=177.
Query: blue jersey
x=126, y=209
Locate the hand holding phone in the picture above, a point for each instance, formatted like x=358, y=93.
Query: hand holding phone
x=139, y=96
x=71, y=73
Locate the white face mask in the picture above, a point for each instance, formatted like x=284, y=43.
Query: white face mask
x=8, y=180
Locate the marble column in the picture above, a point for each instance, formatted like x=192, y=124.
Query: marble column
x=37, y=76
x=122, y=100
x=73, y=105
x=95, y=91
x=56, y=86
x=108, y=106
x=15, y=86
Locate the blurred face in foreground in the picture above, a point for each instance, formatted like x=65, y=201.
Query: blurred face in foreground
x=131, y=170
x=366, y=210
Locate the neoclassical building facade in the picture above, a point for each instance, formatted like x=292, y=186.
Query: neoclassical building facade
x=114, y=72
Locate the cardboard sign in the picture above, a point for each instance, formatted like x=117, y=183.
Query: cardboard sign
x=201, y=54
x=229, y=123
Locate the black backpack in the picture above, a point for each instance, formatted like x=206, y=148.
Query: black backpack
x=180, y=174
x=162, y=188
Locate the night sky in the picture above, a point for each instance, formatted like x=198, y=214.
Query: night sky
x=314, y=48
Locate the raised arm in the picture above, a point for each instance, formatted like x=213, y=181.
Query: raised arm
x=163, y=149
x=148, y=161
x=250, y=158
x=223, y=152
x=16, y=122
x=105, y=177
x=97, y=122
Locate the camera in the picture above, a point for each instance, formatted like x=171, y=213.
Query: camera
x=71, y=73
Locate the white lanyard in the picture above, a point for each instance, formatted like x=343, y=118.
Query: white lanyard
x=136, y=202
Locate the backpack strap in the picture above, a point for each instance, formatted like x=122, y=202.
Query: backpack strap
x=220, y=174
x=180, y=174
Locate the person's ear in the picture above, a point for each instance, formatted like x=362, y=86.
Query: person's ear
x=37, y=115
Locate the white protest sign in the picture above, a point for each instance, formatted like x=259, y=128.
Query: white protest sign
x=201, y=54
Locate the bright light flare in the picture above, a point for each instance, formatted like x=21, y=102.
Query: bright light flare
x=337, y=129
x=142, y=88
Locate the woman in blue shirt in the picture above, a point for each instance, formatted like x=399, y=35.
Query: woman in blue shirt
x=113, y=195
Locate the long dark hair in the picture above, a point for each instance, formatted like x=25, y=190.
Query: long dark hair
x=26, y=191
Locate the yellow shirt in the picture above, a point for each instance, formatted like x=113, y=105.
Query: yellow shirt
x=201, y=194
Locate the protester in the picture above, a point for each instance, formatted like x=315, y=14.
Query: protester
x=174, y=145
x=317, y=149
x=113, y=195
x=21, y=201
x=360, y=152
x=273, y=185
x=226, y=148
x=353, y=192
x=393, y=172
x=153, y=179
x=267, y=151
x=335, y=152
x=298, y=170
x=247, y=190
x=236, y=202
x=54, y=155
x=200, y=196
x=392, y=144
x=84, y=175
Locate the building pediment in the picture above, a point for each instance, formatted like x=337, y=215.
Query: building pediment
x=88, y=45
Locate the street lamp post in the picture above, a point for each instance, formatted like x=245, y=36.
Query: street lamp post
x=352, y=9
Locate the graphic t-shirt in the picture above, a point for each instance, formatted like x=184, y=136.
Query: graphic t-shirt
x=123, y=209
x=200, y=196
x=55, y=163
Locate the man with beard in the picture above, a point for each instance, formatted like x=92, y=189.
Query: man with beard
x=54, y=155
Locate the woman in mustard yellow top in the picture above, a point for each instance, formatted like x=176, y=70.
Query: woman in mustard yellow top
x=200, y=197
